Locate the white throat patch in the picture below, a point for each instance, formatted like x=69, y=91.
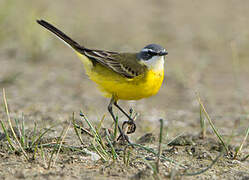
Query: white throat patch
x=155, y=63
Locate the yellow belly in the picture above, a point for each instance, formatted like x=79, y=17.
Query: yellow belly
x=113, y=84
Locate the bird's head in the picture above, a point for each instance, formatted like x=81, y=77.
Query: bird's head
x=152, y=56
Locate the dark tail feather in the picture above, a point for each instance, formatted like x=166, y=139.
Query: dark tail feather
x=61, y=35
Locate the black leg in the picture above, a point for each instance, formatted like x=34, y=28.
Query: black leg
x=131, y=122
x=113, y=117
x=116, y=104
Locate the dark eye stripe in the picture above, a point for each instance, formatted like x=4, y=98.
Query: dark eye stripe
x=152, y=53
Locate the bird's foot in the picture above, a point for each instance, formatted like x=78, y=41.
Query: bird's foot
x=129, y=126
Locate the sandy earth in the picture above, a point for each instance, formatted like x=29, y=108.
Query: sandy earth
x=45, y=83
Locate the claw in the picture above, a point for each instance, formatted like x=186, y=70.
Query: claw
x=131, y=126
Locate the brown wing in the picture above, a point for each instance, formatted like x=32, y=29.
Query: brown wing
x=124, y=64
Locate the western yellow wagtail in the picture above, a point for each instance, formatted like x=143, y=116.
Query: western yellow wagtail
x=120, y=76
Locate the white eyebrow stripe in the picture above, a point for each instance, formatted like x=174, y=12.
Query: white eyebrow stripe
x=145, y=50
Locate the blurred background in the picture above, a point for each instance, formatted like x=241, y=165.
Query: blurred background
x=207, y=43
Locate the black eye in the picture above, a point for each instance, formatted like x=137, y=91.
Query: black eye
x=147, y=56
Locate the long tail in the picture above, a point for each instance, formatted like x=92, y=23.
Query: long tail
x=62, y=36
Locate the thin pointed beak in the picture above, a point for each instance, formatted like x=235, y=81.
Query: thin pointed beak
x=163, y=53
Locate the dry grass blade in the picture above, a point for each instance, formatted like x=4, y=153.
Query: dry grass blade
x=100, y=123
x=101, y=153
x=242, y=143
x=211, y=123
x=172, y=140
x=203, y=124
x=54, y=150
x=11, y=127
x=62, y=139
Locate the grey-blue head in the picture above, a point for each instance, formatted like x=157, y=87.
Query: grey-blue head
x=150, y=51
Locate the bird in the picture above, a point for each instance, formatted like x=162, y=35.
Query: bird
x=120, y=75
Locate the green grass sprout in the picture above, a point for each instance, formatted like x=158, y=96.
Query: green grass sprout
x=245, y=158
x=43, y=157
x=211, y=123
x=59, y=140
x=114, y=154
x=97, y=141
x=203, y=124
x=12, y=148
x=38, y=139
x=76, y=129
x=11, y=127
x=159, y=145
x=126, y=155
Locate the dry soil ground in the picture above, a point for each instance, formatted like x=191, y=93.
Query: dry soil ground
x=45, y=83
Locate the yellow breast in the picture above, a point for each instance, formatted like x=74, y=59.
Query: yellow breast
x=113, y=84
